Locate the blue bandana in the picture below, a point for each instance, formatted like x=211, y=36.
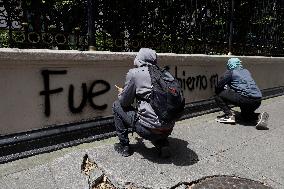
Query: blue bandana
x=234, y=63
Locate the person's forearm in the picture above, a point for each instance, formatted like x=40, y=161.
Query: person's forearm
x=224, y=80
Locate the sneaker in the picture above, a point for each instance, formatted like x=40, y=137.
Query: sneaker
x=226, y=119
x=262, y=121
x=125, y=151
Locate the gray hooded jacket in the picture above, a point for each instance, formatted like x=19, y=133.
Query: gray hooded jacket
x=138, y=84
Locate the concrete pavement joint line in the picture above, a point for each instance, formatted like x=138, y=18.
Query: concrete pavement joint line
x=53, y=178
x=251, y=169
x=213, y=153
x=196, y=120
x=237, y=162
x=231, y=147
x=246, y=141
x=244, y=166
x=276, y=182
x=195, y=123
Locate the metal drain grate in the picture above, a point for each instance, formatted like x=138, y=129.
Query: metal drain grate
x=224, y=182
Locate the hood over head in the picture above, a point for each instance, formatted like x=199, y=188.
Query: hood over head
x=234, y=63
x=145, y=56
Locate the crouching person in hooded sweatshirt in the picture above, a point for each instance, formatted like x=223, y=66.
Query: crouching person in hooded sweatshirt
x=237, y=87
x=142, y=119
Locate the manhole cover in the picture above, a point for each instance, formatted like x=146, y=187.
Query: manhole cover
x=224, y=182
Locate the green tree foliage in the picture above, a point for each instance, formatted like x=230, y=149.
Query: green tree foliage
x=4, y=38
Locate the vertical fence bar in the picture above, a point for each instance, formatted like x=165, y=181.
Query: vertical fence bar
x=91, y=25
x=231, y=26
x=25, y=23
x=9, y=23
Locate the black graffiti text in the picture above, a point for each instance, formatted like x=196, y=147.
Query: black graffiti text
x=200, y=82
x=88, y=94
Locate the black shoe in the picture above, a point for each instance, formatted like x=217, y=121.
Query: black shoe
x=123, y=150
x=262, y=121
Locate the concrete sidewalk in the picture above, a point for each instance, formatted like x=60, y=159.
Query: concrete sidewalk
x=200, y=146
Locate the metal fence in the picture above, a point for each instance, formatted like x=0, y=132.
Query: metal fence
x=178, y=26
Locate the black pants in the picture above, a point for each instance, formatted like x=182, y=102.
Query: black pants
x=246, y=104
x=125, y=118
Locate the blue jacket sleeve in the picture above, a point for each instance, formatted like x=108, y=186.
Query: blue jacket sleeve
x=225, y=79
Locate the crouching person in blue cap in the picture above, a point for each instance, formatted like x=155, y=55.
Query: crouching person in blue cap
x=237, y=87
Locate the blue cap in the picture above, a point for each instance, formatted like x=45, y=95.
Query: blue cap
x=234, y=63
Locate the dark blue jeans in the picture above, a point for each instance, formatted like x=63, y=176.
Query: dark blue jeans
x=247, y=105
x=125, y=118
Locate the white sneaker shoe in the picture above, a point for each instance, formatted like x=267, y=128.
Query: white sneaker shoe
x=262, y=121
x=226, y=119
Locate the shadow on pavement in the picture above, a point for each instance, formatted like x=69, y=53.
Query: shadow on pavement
x=181, y=154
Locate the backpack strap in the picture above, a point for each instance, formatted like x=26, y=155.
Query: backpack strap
x=155, y=73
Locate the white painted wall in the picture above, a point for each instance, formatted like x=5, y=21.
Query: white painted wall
x=22, y=108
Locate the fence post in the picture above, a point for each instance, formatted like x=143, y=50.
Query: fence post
x=231, y=26
x=9, y=23
x=91, y=25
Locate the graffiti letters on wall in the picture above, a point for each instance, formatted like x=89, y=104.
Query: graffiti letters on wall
x=88, y=93
x=198, y=82
x=100, y=87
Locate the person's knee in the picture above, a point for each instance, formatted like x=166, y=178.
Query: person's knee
x=218, y=98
